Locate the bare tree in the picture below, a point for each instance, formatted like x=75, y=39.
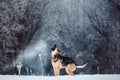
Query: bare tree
x=103, y=24
x=19, y=20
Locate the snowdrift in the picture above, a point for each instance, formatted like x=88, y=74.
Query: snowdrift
x=77, y=77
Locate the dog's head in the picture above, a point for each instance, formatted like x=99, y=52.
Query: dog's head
x=55, y=49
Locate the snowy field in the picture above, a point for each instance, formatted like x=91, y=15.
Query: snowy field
x=77, y=77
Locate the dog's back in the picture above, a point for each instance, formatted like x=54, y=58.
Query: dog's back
x=64, y=60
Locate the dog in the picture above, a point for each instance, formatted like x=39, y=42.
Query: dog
x=59, y=62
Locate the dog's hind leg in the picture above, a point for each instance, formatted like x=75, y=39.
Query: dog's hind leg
x=70, y=68
x=70, y=72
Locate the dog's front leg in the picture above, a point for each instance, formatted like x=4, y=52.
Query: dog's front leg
x=56, y=71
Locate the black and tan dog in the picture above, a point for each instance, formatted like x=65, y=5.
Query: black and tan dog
x=59, y=62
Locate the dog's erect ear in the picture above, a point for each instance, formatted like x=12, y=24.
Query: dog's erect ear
x=53, y=48
x=58, y=50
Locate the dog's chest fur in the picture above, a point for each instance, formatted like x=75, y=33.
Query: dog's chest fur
x=57, y=64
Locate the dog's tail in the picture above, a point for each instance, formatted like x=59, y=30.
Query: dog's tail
x=83, y=65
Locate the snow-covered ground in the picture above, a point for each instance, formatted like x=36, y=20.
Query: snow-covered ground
x=77, y=77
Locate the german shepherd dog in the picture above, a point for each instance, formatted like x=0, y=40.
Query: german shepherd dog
x=59, y=62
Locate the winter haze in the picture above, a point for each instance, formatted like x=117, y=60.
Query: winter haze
x=82, y=29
